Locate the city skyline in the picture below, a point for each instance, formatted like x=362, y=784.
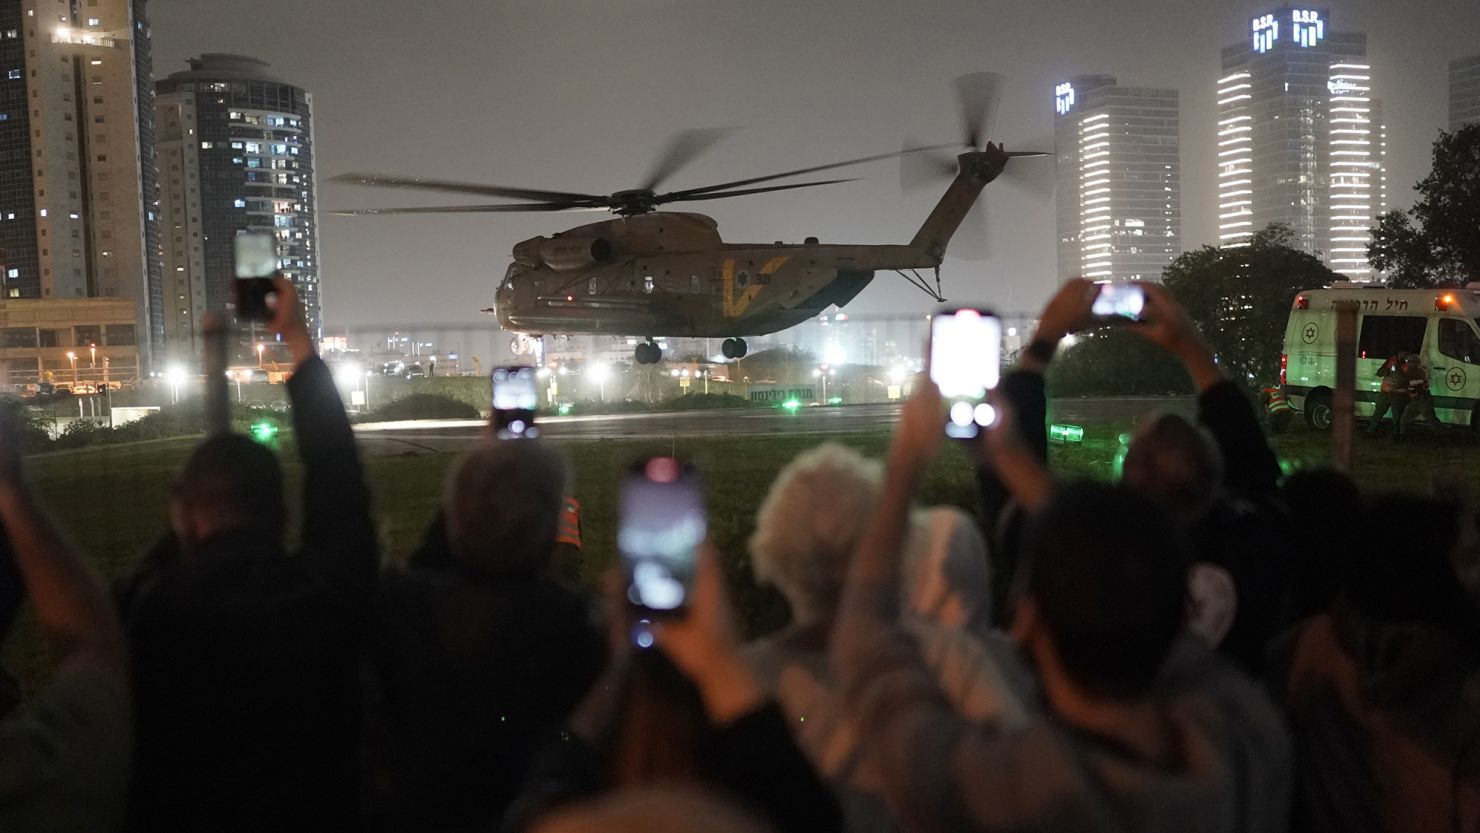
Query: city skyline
x=1300, y=136
x=1118, y=187
x=77, y=207
x=539, y=87
x=235, y=155
x=1464, y=91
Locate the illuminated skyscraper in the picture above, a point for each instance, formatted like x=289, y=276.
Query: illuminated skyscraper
x=1118, y=186
x=1300, y=137
x=235, y=155
x=1464, y=92
x=77, y=185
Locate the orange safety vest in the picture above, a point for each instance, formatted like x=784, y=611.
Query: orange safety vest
x=569, y=530
x=1275, y=401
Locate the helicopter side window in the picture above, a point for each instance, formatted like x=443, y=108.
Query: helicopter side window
x=647, y=284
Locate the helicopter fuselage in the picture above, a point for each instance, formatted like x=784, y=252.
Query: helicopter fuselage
x=670, y=274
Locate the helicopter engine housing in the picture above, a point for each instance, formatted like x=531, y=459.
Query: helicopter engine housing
x=564, y=254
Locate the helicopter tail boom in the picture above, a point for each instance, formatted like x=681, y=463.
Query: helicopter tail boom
x=977, y=168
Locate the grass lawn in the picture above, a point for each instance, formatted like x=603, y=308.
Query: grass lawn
x=111, y=499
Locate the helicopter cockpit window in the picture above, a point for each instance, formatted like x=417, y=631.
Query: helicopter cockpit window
x=515, y=270
x=647, y=284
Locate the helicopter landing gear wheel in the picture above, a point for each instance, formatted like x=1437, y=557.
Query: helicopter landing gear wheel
x=734, y=348
x=525, y=344
x=648, y=352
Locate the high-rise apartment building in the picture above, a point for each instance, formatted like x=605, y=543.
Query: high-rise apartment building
x=1300, y=140
x=1464, y=92
x=235, y=155
x=77, y=192
x=1118, y=186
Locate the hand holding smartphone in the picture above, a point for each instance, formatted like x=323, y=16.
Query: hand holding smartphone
x=1119, y=303
x=966, y=364
x=256, y=264
x=515, y=397
x=661, y=527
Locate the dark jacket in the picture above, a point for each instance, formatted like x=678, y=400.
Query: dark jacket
x=469, y=671
x=245, y=658
x=1386, y=719
x=753, y=760
x=1246, y=532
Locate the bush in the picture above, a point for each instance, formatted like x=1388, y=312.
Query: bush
x=423, y=406
x=30, y=427
x=705, y=402
x=625, y=406
x=1116, y=362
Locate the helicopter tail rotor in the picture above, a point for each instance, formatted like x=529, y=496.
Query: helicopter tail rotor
x=978, y=97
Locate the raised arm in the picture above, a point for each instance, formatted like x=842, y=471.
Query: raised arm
x=1249, y=464
x=338, y=530
x=71, y=606
x=911, y=732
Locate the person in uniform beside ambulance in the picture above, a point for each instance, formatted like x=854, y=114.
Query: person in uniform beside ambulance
x=1420, y=398
x=1394, y=395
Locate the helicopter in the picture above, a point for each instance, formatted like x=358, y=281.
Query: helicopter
x=650, y=273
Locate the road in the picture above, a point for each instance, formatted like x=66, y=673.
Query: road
x=438, y=436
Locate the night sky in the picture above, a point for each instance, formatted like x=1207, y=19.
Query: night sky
x=581, y=94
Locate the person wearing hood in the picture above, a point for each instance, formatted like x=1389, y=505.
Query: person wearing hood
x=806, y=529
x=245, y=658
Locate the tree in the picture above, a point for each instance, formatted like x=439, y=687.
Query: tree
x=1437, y=241
x=1240, y=298
x=784, y=365
x=1116, y=362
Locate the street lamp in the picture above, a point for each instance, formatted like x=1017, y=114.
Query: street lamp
x=260, y=348
x=600, y=372
x=175, y=375
x=72, y=357
x=368, y=374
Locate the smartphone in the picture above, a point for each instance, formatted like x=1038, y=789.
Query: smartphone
x=256, y=264
x=660, y=527
x=516, y=396
x=966, y=363
x=1119, y=302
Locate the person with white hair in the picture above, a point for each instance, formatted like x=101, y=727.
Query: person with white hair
x=806, y=531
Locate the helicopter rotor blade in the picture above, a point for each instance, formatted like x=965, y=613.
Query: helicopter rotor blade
x=717, y=195
x=381, y=181
x=689, y=193
x=970, y=242
x=683, y=148
x=916, y=170
x=978, y=95
x=469, y=209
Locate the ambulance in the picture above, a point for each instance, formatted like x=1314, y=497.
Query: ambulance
x=1440, y=325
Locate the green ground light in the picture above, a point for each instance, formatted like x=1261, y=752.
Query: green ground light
x=1066, y=433
x=265, y=432
x=792, y=405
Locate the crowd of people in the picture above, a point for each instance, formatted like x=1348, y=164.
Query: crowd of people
x=1199, y=646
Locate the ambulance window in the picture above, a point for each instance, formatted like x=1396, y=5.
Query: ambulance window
x=1384, y=336
x=1458, y=341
